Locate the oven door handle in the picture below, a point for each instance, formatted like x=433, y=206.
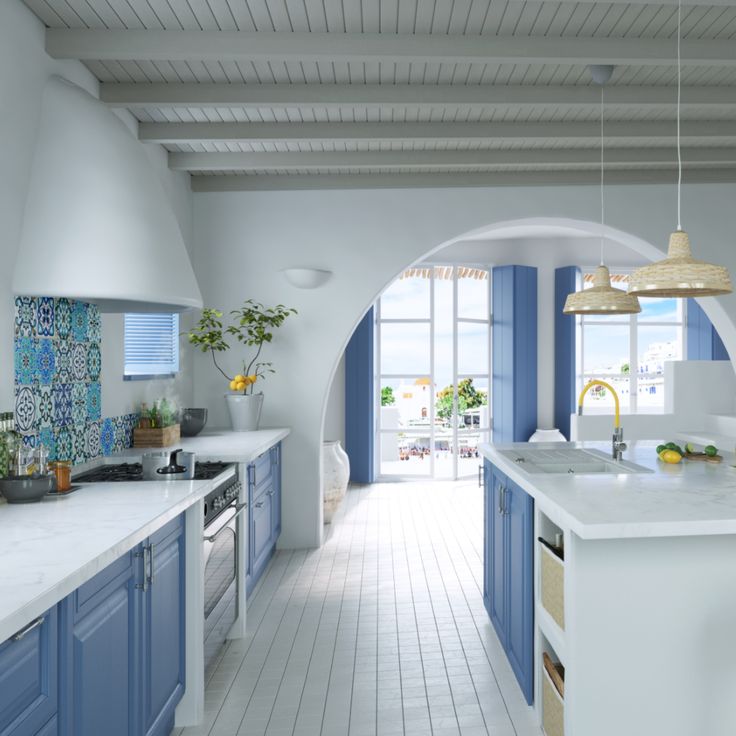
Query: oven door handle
x=239, y=508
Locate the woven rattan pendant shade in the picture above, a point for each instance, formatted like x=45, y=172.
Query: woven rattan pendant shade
x=680, y=275
x=601, y=298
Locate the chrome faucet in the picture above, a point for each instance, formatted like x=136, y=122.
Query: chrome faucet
x=618, y=445
x=617, y=441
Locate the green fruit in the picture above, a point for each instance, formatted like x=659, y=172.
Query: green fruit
x=689, y=448
x=671, y=446
x=711, y=451
x=677, y=448
x=661, y=448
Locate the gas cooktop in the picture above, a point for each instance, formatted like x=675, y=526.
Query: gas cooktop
x=126, y=472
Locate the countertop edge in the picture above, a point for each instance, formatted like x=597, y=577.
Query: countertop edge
x=49, y=598
x=605, y=530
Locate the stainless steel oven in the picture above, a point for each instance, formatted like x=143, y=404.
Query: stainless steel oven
x=221, y=543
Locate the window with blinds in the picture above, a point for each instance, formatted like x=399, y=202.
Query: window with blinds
x=151, y=345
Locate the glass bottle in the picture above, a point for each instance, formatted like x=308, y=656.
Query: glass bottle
x=14, y=439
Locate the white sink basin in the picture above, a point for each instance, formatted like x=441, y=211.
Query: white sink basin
x=570, y=461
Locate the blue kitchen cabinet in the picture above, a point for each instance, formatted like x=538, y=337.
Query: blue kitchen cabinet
x=163, y=629
x=264, y=513
x=99, y=651
x=29, y=679
x=123, y=656
x=508, y=571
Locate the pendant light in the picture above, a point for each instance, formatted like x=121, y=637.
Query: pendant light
x=601, y=298
x=680, y=275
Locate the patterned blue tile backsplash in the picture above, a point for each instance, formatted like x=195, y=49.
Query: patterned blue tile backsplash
x=58, y=373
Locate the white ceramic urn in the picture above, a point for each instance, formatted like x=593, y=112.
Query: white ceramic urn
x=245, y=411
x=336, y=473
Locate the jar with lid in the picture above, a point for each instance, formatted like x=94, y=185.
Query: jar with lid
x=62, y=469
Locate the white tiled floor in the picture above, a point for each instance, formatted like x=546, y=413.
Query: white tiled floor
x=381, y=631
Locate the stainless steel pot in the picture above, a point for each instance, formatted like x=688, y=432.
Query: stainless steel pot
x=165, y=465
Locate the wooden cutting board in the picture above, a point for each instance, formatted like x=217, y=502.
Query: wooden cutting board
x=703, y=457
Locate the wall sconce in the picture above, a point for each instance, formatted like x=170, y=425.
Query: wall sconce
x=306, y=278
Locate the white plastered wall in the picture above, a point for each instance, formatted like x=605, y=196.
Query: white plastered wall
x=244, y=239
x=24, y=70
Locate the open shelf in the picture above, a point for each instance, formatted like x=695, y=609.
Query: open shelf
x=552, y=632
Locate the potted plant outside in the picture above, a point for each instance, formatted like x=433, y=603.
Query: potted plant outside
x=253, y=326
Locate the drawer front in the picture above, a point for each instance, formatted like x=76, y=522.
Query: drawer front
x=261, y=470
x=29, y=677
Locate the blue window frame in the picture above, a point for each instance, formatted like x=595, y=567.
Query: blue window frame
x=151, y=345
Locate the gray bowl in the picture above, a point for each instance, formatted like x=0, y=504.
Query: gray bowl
x=26, y=490
x=192, y=421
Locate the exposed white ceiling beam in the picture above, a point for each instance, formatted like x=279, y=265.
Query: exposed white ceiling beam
x=651, y=3
x=539, y=158
x=178, y=45
x=404, y=95
x=188, y=133
x=439, y=181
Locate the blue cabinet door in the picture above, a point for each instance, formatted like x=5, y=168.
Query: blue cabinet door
x=497, y=550
x=486, y=536
x=508, y=558
x=520, y=588
x=163, y=626
x=29, y=677
x=262, y=539
x=101, y=657
x=276, y=488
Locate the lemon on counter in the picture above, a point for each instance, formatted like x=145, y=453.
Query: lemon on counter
x=670, y=456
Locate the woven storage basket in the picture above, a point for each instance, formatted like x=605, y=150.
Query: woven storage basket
x=553, y=708
x=553, y=586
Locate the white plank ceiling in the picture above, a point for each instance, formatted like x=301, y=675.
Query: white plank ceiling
x=326, y=93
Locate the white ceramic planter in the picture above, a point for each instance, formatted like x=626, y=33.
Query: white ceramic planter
x=547, y=435
x=336, y=474
x=245, y=411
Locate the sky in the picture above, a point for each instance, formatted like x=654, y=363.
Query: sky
x=405, y=347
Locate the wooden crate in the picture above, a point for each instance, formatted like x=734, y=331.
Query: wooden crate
x=160, y=437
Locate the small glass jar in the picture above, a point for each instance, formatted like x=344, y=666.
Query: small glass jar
x=62, y=469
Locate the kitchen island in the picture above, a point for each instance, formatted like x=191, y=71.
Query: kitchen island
x=641, y=610
x=56, y=552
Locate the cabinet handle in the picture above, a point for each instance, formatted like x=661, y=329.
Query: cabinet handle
x=258, y=504
x=144, y=585
x=505, y=501
x=26, y=629
x=150, y=548
x=502, y=492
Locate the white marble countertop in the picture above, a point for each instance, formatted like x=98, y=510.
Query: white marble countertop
x=219, y=444
x=49, y=549
x=688, y=499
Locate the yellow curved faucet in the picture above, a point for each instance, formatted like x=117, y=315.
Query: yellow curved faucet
x=618, y=445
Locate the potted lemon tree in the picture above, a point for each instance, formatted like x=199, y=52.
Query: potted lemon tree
x=252, y=325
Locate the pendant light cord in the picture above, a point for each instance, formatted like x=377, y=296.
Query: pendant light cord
x=603, y=207
x=679, y=86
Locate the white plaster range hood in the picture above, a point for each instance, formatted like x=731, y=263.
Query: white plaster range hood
x=98, y=225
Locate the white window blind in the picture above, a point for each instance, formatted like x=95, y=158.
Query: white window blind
x=151, y=344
